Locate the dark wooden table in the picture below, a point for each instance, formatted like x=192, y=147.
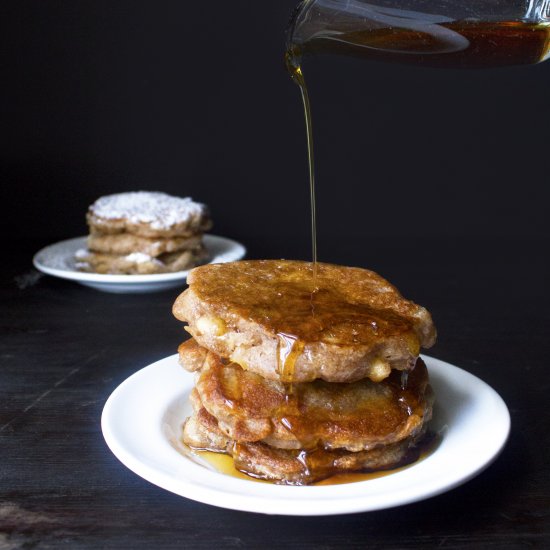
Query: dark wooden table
x=64, y=349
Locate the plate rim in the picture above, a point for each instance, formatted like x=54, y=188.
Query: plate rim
x=137, y=279
x=197, y=485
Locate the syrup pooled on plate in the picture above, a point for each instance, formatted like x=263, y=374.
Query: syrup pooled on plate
x=223, y=463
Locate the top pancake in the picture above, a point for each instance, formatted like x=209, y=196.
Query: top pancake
x=148, y=214
x=265, y=316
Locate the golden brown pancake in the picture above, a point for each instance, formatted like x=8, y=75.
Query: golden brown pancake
x=126, y=243
x=144, y=233
x=138, y=263
x=191, y=355
x=268, y=317
x=355, y=416
x=148, y=214
x=293, y=467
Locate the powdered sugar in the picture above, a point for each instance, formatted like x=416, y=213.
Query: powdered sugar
x=160, y=210
x=138, y=257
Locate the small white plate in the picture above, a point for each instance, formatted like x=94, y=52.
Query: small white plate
x=142, y=421
x=59, y=260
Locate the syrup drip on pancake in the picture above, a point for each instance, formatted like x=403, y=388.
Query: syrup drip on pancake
x=404, y=379
x=289, y=349
x=283, y=304
x=360, y=415
x=262, y=315
x=324, y=315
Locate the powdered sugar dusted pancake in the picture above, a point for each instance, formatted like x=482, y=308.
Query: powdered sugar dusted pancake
x=144, y=232
x=126, y=243
x=138, y=263
x=148, y=214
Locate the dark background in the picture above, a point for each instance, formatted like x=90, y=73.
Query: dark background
x=192, y=98
x=435, y=178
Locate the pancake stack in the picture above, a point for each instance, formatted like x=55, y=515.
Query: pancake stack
x=144, y=232
x=303, y=375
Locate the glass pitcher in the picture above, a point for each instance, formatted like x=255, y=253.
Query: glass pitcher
x=453, y=33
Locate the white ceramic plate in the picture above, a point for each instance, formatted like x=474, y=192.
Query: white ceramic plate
x=142, y=420
x=58, y=260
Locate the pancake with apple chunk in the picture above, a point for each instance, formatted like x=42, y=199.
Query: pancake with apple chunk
x=266, y=316
x=355, y=416
x=289, y=466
